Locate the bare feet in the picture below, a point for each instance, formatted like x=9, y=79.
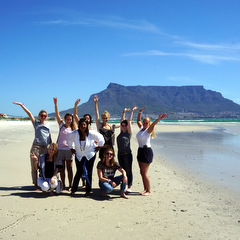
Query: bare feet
x=83, y=183
x=70, y=189
x=146, y=194
x=141, y=193
x=123, y=195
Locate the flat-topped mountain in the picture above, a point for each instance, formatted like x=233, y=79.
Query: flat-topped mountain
x=177, y=102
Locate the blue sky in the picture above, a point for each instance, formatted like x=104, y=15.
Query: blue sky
x=74, y=48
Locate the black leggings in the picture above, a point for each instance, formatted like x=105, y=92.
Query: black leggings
x=125, y=162
x=79, y=165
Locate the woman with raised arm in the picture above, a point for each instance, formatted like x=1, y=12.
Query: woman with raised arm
x=123, y=142
x=107, y=130
x=41, y=140
x=87, y=116
x=48, y=165
x=145, y=153
x=64, y=153
x=84, y=141
x=106, y=169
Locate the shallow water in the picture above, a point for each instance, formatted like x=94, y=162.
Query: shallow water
x=213, y=154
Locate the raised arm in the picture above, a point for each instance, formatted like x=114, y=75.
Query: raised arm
x=161, y=116
x=98, y=123
x=130, y=120
x=76, y=118
x=139, y=123
x=26, y=110
x=123, y=114
x=59, y=120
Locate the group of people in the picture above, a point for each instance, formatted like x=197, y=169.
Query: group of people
x=83, y=142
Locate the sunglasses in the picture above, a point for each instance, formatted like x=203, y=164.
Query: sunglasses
x=43, y=115
x=110, y=154
x=124, y=125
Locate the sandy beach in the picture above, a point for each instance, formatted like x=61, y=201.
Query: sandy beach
x=182, y=206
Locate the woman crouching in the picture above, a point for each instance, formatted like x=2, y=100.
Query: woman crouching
x=106, y=169
x=48, y=165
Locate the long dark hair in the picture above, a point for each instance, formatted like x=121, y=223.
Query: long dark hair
x=79, y=131
x=87, y=114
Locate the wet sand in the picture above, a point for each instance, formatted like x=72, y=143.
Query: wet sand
x=210, y=152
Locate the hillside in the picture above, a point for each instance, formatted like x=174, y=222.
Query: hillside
x=177, y=102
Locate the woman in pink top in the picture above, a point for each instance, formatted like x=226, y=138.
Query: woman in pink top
x=64, y=152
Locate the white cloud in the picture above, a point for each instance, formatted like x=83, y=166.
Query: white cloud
x=212, y=59
x=201, y=52
x=113, y=22
x=205, y=58
x=211, y=47
x=63, y=22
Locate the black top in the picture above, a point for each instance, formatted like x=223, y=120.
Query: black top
x=123, y=142
x=107, y=134
x=108, y=172
x=49, y=169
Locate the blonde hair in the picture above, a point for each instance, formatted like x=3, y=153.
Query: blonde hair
x=153, y=135
x=105, y=113
x=112, y=161
x=55, y=146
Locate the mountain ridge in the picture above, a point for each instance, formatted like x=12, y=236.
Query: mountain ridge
x=176, y=101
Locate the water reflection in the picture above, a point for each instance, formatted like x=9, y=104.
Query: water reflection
x=214, y=155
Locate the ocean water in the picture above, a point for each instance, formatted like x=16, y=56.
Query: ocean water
x=212, y=154
x=200, y=120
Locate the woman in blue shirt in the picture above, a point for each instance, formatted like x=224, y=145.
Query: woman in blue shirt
x=41, y=140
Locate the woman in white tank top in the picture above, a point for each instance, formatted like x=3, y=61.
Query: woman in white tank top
x=145, y=153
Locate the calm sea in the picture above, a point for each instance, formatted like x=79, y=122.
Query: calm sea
x=171, y=120
x=213, y=154
x=201, y=120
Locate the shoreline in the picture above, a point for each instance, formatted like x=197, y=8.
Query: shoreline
x=210, y=152
x=180, y=207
